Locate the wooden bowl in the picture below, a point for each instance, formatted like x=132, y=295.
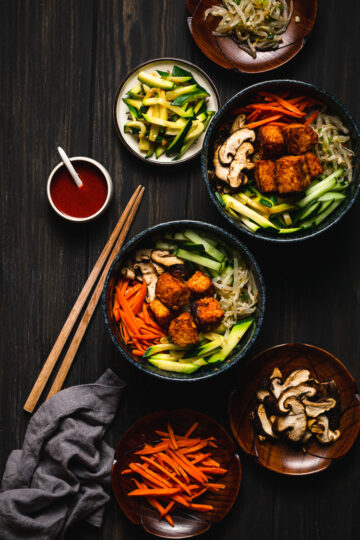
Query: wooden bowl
x=225, y=52
x=186, y=523
x=280, y=456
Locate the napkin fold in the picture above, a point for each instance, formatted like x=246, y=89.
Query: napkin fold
x=62, y=473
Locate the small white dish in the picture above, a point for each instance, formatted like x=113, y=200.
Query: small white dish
x=121, y=111
x=104, y=173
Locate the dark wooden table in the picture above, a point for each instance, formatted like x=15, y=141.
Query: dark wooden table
x=61, y=65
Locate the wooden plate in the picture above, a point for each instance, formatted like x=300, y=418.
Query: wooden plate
x=225, y=52
x=186, y=523
x=280, y=456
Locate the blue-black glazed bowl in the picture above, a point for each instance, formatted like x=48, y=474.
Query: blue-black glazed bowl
x=302, y=88
x=145, y=239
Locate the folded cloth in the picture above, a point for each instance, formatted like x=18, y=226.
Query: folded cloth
x=63, y=471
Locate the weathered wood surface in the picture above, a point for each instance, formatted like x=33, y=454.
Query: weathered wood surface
x=61, y=63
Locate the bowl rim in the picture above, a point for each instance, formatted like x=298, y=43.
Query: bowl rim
x=108, y=180
x=234, y=390
x=124, y=81
x=217, y=231
x=222, y=111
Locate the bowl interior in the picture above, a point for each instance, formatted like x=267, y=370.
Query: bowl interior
x=121, y=110
x=225, y=52
x=280, y=456
x=146, y=239
x=186, y=523
x=296, y=87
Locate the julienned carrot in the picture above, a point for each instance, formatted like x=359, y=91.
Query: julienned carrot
x=311, y=118
x=171, y=474
x=173, y=444
x=146, y=492
x=202, y=507
x=283, y=102
x=276, y=108
x=191, y=430
x=263, y=122
x=153, y=449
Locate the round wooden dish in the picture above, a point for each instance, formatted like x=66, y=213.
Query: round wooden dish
x=225, y=52
x=186, y=523
x=280, y=456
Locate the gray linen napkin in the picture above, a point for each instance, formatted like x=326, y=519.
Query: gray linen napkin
x=60, y=475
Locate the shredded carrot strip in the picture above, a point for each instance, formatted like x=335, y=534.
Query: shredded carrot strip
x=263, y=122
x=191, y=430
x=166, y=468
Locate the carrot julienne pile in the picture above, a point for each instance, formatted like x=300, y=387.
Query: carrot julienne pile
x=175, y=472
x=279, y=109
x=137, y=326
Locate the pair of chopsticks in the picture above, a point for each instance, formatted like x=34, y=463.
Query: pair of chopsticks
x=112, y=247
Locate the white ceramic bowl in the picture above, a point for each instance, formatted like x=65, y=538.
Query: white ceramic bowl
x=108, y=180
x=121, y=110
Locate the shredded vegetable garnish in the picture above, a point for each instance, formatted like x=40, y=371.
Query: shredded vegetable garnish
x=237, y=292
x=331, y=149
x=255, y=24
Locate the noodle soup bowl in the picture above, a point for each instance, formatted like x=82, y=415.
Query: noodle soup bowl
x=147, y=239
x=292, y=87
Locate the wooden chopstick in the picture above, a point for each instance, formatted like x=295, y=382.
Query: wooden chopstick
x=84, y=322
x=79, y=304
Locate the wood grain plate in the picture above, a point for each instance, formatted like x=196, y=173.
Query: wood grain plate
x=186, y=523
x=225, y=52
x=280, y=456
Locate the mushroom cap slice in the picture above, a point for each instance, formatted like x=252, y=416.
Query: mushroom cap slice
x=323, y=433
x=295, y=378
x=315, y=408
x=149, y=276
x=221, y=172
x=232, y=143
x=296, y=392
x=276, y=374
x=238, y=123
x=240, y=162
x=263, y=423
x=143, y=255
x=262, y=394
x=165, y=257
x=294, y=423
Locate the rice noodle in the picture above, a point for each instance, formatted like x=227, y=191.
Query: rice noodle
x=255, y=24
x=237, y=292
x=331, y=149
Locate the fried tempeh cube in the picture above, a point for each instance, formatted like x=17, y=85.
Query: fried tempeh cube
x=314, y=164
x=172, y=291
x=292, y=174
x=207, y=313
x=161, y=313
x=265, y=175
x=272, y=142
x=200, y=284
x=299, y=138
x=182, y=331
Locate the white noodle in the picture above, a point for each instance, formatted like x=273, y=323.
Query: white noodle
x=255, y=24
x=237, y=293
x=331, y=149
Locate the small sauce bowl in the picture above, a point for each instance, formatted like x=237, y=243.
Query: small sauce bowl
x=99, y=171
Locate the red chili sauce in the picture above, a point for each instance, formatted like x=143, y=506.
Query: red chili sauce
x=79, y=202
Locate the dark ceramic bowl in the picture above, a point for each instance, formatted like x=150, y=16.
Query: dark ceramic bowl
x=144, y=239
x=334, y=106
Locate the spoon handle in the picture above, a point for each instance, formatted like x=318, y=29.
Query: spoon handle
x=70, y=167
